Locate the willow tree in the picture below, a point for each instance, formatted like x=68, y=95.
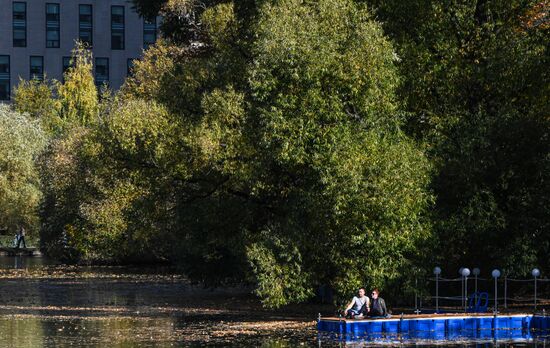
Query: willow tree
x=347, y=188
x=75, y=109
x=21, y=141
x=61, y=105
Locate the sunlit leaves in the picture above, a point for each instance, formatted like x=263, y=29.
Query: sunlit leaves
x=21, y=142
x=350, y=190
x=78, y=96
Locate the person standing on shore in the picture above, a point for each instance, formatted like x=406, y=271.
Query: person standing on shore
x=21, y=238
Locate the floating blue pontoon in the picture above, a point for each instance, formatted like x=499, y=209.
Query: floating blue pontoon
x=437, y=327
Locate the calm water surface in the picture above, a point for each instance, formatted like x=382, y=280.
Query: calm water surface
x=46, y=304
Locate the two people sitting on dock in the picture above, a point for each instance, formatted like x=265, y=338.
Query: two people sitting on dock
x=360, y=306
x=20, y=237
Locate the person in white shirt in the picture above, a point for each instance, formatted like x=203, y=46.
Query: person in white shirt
x=359, y=306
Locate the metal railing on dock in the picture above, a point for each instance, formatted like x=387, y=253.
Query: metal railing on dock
x=503, y=292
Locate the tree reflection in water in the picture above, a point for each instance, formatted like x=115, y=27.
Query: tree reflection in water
x=46, y=304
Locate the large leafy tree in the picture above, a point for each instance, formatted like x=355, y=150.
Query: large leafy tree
x=21, y=142
x=68, y=110
x=349, y=192
x=258, y=142
x=289, y=154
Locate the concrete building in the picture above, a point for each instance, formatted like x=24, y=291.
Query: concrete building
x=37, y=36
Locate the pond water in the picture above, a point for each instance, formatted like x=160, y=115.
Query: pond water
x=46, y=304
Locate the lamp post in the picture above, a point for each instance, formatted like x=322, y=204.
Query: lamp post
x=475, y=272
x=496, y=274
x=437, y=272
x=505, y=289
x=416, y=295
x=535, y=272
x=461, y=286
x=465, y=274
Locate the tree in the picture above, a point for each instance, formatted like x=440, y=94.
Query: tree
x=292, y=144
x=148, y=8
x=75, y=109
x=291, y=149
x=21, y=142
x=181, y=19
x=35, y=98
x=78, y=95
x=346, y=189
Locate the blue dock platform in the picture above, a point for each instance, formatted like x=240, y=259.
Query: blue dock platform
x=445, y=327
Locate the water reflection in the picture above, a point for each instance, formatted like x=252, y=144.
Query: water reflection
x=502, y=337
x=25, y=262
x=59, y=332
x=466, y=342
x=46, y=304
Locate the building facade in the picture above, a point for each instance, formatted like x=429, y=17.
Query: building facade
x=37, y=37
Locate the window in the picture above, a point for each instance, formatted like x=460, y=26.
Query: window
x=37, y=68
x=130, y=67
x=52, y=26
x=85, y=24
x=101, y=71
x=67, y=63
x=149, y=32
x=4, y=77
x=19, y=24
x=117, y=27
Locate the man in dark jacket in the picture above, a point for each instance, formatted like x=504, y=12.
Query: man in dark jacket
x=21, y=237
x=378, y=305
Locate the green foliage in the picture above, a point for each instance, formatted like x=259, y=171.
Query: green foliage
x=60, y=105
x=34, y=97
x=151, y=72
x=148, y=8
x=278, y=266
x=273, y=169
x=475, y=84
x=21, y=142
x=277, y=142
x=78, y=96
x=180, y=18
x=63, y=186
x=219, y=24
x=220, y=139
x=349, y=189
x=67, y=110
x=92, y=199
